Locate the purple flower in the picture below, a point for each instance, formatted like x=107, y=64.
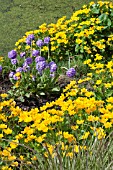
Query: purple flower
x=11, y=74
x=12, y=54
x=39, y=43
x=41, y=65
x=22, y=54
x=52, y=62
x=29, y=60
x=39, y=58
x=53, y=67
x=46, y=40
x=0, y=68
x=35, y=53
x=15, y=77
x=19, y=69
x=29, y=39
x=14, y=61
x=71, y=72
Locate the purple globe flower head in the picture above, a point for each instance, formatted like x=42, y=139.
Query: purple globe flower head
x=0, y=68
x=28, y=41
x=12, y=54
x=39, y=58
x=19, y=69
x=41, y=65
x=29, y=60
x=35, y=52
x=14, y=61
x=15, y=77
x=22, y=54
x=71, y=72
x=52, y=62
x=11, y=74
x=31, y=37
x=53, y=67
x=40, y=43
x=46, y=40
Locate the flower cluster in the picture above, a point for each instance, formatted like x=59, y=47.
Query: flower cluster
x=87, y=32
x=70, y=121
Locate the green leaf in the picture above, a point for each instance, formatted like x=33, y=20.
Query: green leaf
x=21, y=98
x=56, y=89
x=109, y=22
x=42, y=93
x=103, y=17
x=27, y=95
x=95, y=10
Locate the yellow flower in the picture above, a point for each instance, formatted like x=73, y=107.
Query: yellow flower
x=98, y=82
x=69, y=154
x=68, y=136
x=107, y=85
x=14, y=163
x=5, y=153
x=7, y=131
x=74, y=127
x=34, y=158
x=4, y=95
x=21, y=157
x=76, y=148
x=87, y=61
x=78, y=41
x=3, y=126
x=14, y=144
x=27, y=47
x=98, y=57
x=108, y=124
x=80, y=122
x=1, y=135
x=110, y=99
x=11, y=158
x=85, y=136
x=18, y=74
x=1, y=59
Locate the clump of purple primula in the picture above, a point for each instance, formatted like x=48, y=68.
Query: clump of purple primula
x=32, y=73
